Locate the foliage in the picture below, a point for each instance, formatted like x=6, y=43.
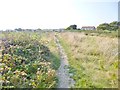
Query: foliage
x=72, y=27
x=111, y=26
x=104, y=26
x=26, y=61
x=19, y=29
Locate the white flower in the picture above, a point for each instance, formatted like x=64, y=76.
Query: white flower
x=38, y=68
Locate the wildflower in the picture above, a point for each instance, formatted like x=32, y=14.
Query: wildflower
x=49, y=63
x=38, y=68
x=38, y=72
x=1, y=69
x=30, y=84
x=16, y=72
x=23, y=73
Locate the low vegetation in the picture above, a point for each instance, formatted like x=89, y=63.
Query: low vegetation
x=93, y=59
x=104, y=29
x=29, y=60
x=104, y=33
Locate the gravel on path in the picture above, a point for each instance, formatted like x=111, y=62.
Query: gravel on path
x=63, y=72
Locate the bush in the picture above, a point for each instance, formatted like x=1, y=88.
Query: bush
x=24, y=63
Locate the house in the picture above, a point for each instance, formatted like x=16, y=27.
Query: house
x=88, y=28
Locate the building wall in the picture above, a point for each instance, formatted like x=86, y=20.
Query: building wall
x=119, y=11
x=87, y=28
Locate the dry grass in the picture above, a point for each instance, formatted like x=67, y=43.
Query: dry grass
x=94, y=58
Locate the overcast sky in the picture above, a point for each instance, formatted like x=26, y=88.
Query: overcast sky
x=56, y=13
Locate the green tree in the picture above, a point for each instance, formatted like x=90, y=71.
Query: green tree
x=19, y=29
x=114, y=25
x=72, y=27
x=103, y=26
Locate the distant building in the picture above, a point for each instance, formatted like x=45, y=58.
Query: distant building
x=119, y=11
x=88, y=28
x=59, y=30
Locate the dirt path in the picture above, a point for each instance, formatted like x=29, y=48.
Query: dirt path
x=63, y=72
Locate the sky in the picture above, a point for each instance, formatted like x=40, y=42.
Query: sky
x=51, y=14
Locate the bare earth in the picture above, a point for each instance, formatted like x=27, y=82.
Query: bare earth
x=63, y=72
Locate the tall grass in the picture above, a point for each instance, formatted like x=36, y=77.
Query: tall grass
x=93, y=59
x=102, y=33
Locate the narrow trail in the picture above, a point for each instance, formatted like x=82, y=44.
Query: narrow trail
x=63, y=72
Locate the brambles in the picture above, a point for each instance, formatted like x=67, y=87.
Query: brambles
x=25, y=62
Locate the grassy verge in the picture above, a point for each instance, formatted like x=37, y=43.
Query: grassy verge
x=54, y=57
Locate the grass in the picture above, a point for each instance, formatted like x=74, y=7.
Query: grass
x=54, y=57
x=102, y=33
x=93, y=60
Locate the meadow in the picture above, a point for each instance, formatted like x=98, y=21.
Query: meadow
x=93, y=59
x=102, y=33
x=31, y=59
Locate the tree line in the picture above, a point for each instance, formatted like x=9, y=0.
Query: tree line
x=113, y=26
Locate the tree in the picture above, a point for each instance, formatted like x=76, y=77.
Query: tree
x=19, y=29
x=118, y=24
x=114, y=25
x=103, y=26
x=111, y=26
x=72, y=27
